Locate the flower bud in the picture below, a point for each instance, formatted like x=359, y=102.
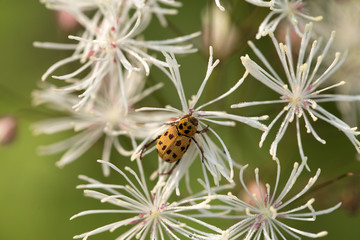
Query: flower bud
x=7, y=129
x=295, y=39
x=255, y=190
x=65, y=21
x=218, y=32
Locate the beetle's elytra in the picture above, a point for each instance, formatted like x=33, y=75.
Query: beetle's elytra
x=173, y=143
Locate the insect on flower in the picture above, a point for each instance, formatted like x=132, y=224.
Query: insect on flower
x=218, y=160
x=173, y=143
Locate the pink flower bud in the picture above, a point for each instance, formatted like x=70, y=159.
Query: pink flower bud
x=65, y=21
x=8, y=126
x=254, y=190
x=294, y=37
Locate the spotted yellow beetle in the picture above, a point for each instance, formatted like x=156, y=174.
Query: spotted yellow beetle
x=173, y=143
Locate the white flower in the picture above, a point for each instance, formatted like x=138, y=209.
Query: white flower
x=148, y=7
x=344, y=17
x=154, y=8
x=267, y=218
x=111, y=43
x=302, y=90
x=217, y=160
x=104, y=115
x=144, y=214
x=282, y=9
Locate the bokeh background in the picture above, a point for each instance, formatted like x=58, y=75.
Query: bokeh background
x=37, y=198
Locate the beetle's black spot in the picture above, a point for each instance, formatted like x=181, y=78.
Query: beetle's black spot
x=171, y=136
x=181, y=126
x=189, y=127
x=186, y=131
x=167, y=160
x=185, y=123
x=174, y=155
x=160, y=142
x=166, y=133
x=168, y=151
x=178, y=143
x=182, y=148
x=164, y=147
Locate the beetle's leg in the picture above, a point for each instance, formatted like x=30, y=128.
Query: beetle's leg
x=200, y=148
x=147, y=145
x=203, y=130
x=172, y=168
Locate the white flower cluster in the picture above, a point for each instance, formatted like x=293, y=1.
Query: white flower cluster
x=102, y=100
x=292, y=10
x=302, y=91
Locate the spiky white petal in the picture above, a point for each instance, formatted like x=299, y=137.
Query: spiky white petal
x=301, y=90
x=292, y=10
x=150, y=214
x=268, y=217
x=218, y=4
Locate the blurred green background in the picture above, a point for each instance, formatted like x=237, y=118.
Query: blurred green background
x=37, y=199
